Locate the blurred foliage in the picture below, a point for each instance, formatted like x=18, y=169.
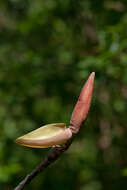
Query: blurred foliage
x=47, y=51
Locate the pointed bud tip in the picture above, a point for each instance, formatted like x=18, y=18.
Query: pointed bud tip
x=91, y=78
x=17, y=141
x=92, y=75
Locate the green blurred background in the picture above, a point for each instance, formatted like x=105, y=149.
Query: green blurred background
x=48, y=48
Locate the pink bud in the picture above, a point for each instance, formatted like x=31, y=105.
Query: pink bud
x=82, y=106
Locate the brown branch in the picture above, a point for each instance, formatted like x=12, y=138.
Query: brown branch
x=53, y=155
x=78, y=117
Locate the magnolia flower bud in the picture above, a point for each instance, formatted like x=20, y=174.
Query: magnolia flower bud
x=56, y=134
x=82, y=106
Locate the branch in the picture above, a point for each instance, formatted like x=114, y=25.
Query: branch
x=78, y=117
x=53, y=155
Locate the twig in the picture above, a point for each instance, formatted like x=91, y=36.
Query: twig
x=53, y=155
x=78, y=117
